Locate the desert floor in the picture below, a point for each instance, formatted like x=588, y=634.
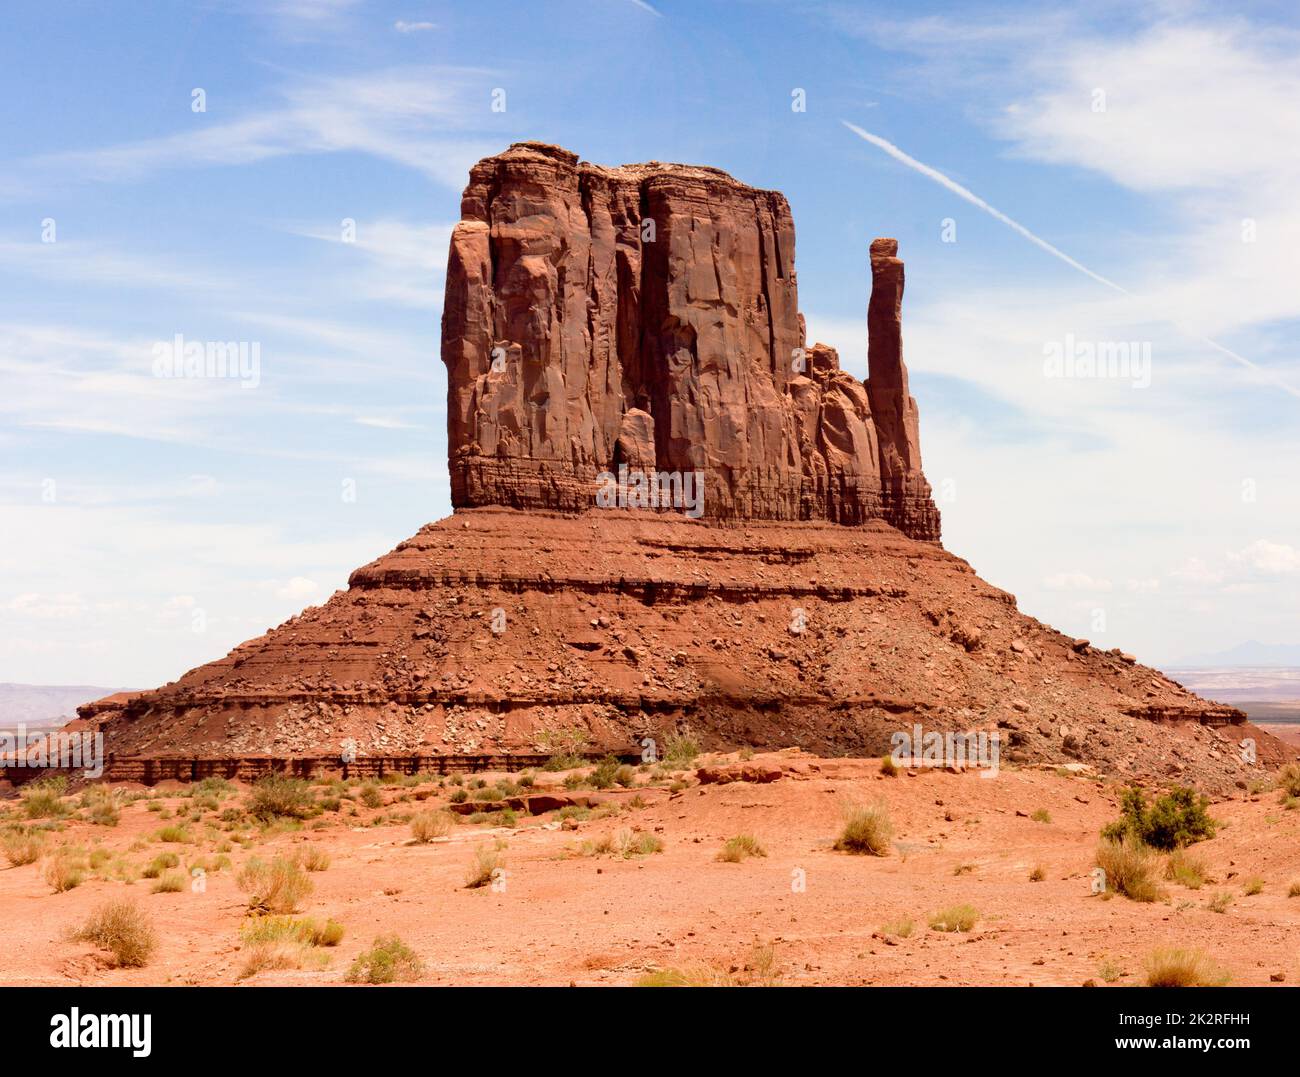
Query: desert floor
x=560, y=915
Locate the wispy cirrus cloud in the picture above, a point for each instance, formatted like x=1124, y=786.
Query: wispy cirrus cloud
x=420, y=118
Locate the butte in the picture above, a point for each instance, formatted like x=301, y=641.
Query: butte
x=644, y=321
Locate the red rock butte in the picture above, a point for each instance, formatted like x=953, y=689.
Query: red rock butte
x=644, y=320
x=648, y=316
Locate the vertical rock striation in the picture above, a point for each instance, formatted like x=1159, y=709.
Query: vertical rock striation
x=648, y=316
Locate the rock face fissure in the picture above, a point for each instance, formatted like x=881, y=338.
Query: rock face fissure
x=647, y=317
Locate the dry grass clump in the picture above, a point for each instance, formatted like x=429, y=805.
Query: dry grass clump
x=388, y=961
x=65, y=870
x=1176, y=967
x=899, y=929
x=867, y=831
x=955, y=918
x=624, y=843
x=123, y=930
x=278, y=887
x=487, y=863
x=101, y=806
x=20, y=848
x=284, y=942
x=1129, y=866
x=1288, y=780
x=169, y=882
x=43, y=798
x=887, y=766
x=279, y=797
x=760, y=969
x=741, y=847
x=314, y=858
x=1187, y=869
x=432, y=824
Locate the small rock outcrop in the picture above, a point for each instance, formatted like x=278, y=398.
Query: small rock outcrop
x=647, y=317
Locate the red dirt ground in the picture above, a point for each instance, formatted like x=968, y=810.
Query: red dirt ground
x=563, y=918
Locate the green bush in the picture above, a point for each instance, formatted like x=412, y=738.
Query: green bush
x=1176, y=819
x=277, y=796
x=388, y=961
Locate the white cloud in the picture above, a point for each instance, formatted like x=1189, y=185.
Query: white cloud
x=417, y=117
x=404, y=27
x=401, y=261
x=1270, y=558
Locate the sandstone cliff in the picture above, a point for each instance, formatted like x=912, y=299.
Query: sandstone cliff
x=648, y=316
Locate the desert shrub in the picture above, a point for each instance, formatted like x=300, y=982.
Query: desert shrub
x=314, y=858
x=604, y=774
x=212, y=787
x=624, y=843
x=1220, y=902
x=1176, y=967
x=304, y=930
x=625, y=776
x=169, y=882
x=1038, y=874
x=1176, y=819
x=22, y=848
x=483, y=868
x=370, y=795
x=101, y=806
x=1253, y=886
x=65, y=871
x=459, y=796
x=954, y=918
x=431, y=824
x=680, y=750
x=159, y=864
x=42, y=798
x=277, y=796
x=887, y=766
x=1186, y=869
x=867, y=831
x=901, y=928
x=740, y=848
x=1041, y=815
x=388, y=961
x=1293, y=890
x=1288, y=779
x=123, y=930
x=758, y=970
x=278, y=887
x=1129, y=867
x=174, y=835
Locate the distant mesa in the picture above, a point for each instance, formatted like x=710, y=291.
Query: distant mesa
x=641, y=325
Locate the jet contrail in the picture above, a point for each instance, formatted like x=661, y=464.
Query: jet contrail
x=1016, y=226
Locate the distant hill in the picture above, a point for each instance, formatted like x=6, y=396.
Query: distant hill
x=52, y=704
x=1251, y=653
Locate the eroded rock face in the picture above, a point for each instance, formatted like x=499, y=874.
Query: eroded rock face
x=647, y=316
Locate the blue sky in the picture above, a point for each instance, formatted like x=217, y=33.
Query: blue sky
x=150, y=524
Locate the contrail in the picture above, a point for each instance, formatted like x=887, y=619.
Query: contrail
x=1016, y=226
